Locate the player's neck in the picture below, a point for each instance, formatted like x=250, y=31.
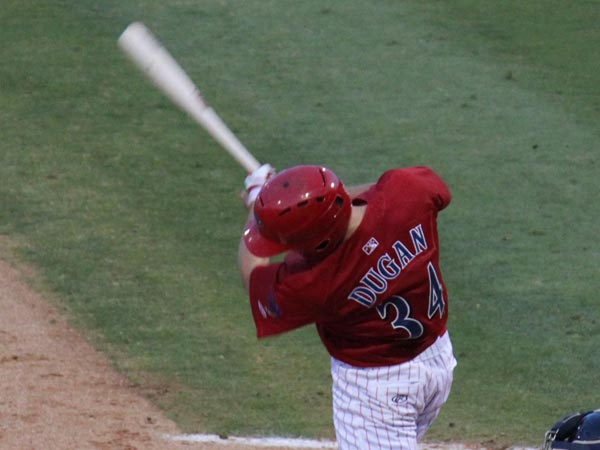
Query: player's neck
x=356, y=217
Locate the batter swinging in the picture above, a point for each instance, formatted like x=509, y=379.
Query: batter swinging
x=363, y=265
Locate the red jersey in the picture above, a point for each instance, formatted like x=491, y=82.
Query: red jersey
x=379, y=299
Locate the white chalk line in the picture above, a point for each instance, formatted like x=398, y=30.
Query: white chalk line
x=253, y=441
x=298, y=443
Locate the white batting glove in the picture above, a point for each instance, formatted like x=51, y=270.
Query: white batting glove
x=255, y=181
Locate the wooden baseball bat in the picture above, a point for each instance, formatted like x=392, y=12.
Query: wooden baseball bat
x=147, y=53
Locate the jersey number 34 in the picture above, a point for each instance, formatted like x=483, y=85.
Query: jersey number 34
x=397, y=308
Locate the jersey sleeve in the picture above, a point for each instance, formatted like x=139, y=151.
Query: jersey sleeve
x=276, y=305
x=421, y=179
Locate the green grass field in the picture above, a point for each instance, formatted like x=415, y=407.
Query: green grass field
x=130, y=212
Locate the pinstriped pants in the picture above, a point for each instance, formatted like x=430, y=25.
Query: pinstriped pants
x=391, y=408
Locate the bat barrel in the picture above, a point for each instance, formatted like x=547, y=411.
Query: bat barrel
x=147, y=53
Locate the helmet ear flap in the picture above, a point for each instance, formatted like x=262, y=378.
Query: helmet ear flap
x=568, y=425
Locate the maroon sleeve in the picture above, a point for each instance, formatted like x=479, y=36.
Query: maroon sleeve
x=436, y=186
x=275, y=308
x=421, y=178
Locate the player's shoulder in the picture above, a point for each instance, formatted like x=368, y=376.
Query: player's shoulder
x=410, y=177
x=414, y=172
x=419, y=183
x=396, y=177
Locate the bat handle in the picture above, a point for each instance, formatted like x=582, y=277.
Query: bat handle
x=223, y=135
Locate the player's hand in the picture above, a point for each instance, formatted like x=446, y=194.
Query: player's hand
x=254, y=183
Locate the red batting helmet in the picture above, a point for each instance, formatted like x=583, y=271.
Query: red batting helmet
x=304, y=208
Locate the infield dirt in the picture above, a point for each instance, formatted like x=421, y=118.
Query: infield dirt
x=59, y=393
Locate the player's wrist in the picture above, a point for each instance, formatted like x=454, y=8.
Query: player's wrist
x=252, y=195
x=254, y=182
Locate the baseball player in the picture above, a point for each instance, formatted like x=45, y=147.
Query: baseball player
x=362, y=264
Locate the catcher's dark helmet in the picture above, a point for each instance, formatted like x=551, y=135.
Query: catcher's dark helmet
x=304, y=208
x=579, y=431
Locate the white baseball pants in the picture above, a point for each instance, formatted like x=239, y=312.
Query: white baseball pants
x=391, y=408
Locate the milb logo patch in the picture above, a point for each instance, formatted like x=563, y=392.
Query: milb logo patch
x=370, y=246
